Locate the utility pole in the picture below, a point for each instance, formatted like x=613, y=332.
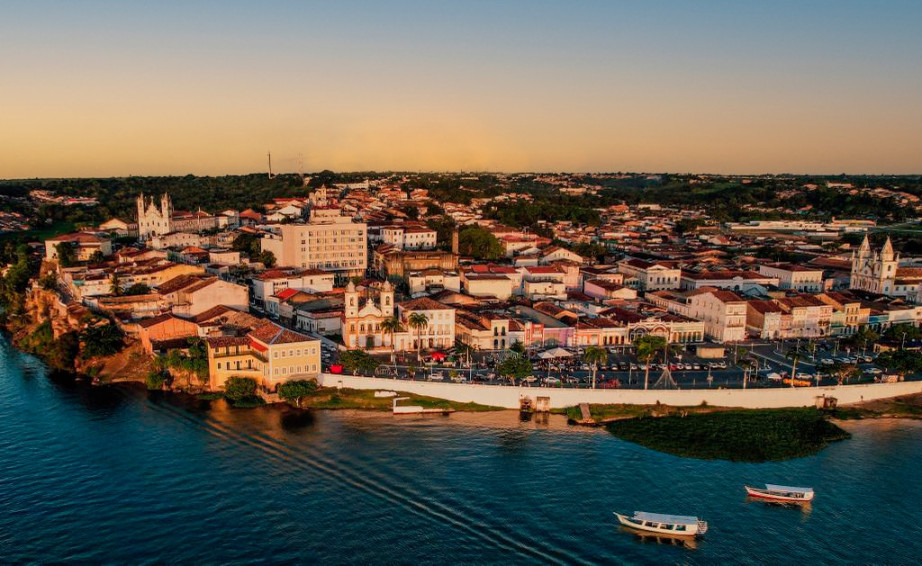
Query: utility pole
x=269, y=156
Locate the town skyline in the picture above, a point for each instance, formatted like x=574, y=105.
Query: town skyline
x=725, y=89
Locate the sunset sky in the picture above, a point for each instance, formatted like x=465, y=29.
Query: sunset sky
x=117, y=88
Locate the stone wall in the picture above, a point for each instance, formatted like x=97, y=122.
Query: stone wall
x=508, y=397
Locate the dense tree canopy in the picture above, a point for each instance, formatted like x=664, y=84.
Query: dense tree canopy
x=479, y=243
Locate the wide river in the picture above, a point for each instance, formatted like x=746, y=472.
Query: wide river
x=118, y=475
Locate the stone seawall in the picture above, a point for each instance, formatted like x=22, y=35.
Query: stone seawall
x=508, y=397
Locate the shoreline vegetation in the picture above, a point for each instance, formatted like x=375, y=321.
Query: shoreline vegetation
x=738, y=435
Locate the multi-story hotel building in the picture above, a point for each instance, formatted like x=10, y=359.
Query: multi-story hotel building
x=328, y=241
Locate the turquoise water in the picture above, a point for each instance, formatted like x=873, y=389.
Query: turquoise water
x=119, y=475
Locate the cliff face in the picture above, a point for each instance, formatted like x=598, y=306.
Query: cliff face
x=53, y=330
x=43, y=319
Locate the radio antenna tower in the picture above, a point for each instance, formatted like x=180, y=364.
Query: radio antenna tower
x=269, y=155
x=301, y=167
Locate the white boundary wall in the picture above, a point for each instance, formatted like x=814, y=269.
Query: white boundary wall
x=508, y=397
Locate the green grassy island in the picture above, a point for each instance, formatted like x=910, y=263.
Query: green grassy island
x=736, y=435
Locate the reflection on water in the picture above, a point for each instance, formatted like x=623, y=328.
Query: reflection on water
x=802, y=507
x=667, y=540
x=118, y=474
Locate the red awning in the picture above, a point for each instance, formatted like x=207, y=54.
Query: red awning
x=439, y=356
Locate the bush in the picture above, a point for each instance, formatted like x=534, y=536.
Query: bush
x=104, y=340
x=155, y=380
x=241, y=392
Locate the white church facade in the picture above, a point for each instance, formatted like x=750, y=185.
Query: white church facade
x=156, y=220
x=880, y=272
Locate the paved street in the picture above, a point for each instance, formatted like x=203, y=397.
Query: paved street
x=758, y=361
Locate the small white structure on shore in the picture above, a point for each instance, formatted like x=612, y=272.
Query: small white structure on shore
x=416, y=409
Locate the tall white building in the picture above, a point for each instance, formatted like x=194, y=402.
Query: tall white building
x=328, y=241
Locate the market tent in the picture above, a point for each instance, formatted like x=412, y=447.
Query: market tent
x=555, y=353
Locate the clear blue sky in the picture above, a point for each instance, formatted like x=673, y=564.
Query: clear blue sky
x=115, y=88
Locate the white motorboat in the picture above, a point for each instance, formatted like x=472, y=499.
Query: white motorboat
x=781, y=493
x=672, y=525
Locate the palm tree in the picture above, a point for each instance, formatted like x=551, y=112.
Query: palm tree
x=418, y=321
x=391, y=325
x=794, y=354
x=116, y=285
x=646, y=347
x=594, y=356
x=465, y=351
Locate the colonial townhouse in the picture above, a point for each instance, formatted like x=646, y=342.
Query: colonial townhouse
x=551, y=254
x=723, y=313
x=544, y=282
x=796, y=277
x=848, y=313
x=733, y=280
x=430, y=281
x=493, y=285
x=84, y=245
x=189, y=295
x=608, y=290
x=409, y=237
x=488, y=331
x=809, y=317
x=673, y=327
x=83, y=282
x=650, y=276
x=269, y=354
x=273, y=281
x=764, y=319
x=439, y=332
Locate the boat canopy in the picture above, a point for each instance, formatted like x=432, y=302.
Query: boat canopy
x=669, y=519
x=786, y=488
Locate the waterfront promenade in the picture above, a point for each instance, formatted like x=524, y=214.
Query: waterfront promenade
x=508, y=396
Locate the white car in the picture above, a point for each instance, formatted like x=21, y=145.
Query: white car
x=773, y=376
x=826, y=362
x=552, y=381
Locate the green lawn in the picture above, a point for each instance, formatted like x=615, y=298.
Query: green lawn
x=332, y=398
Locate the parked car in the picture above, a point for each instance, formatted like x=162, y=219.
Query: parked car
x=552, y=381
x=773, y=376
